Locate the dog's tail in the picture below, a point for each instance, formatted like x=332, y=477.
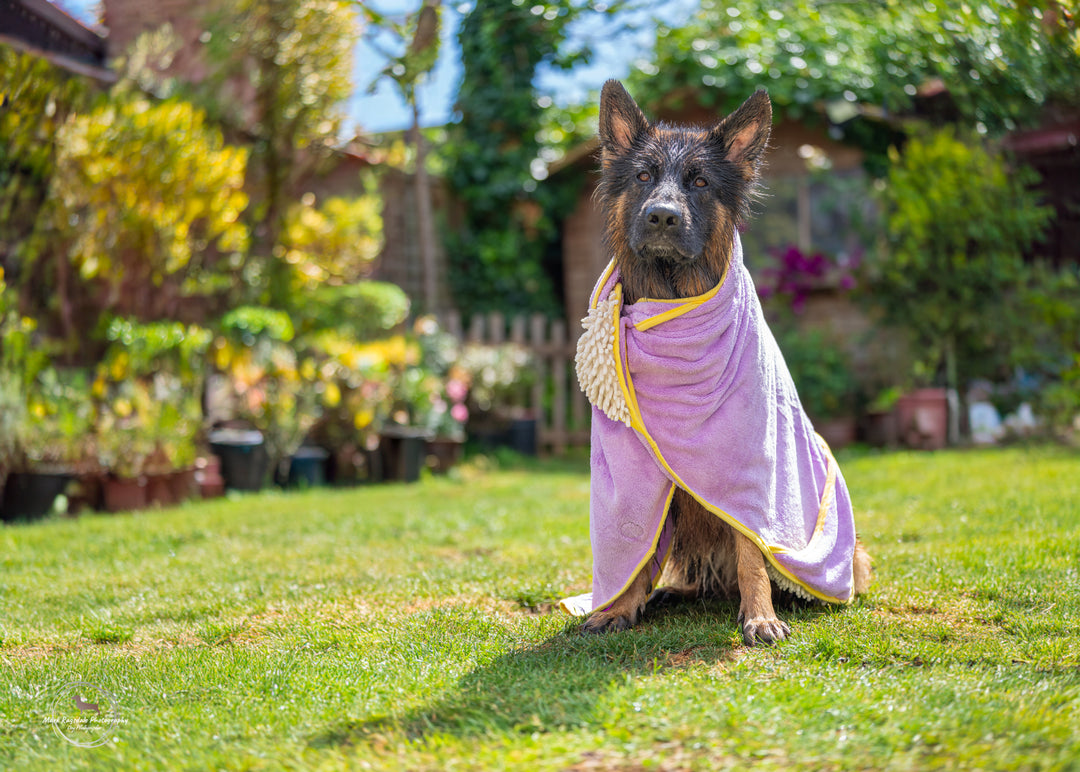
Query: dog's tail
x=863, y=569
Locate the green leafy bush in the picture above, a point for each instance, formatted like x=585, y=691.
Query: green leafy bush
x=362, y=311
x=249, y=324
x=957, y=220
x=822, y=374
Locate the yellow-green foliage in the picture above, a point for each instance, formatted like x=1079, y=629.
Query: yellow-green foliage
x=334, y=242
x=146, y=188
x=37, y=98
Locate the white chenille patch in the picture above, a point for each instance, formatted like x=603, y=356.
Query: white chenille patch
x=595, y=363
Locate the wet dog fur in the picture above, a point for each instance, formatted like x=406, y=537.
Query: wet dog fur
x=672, y=198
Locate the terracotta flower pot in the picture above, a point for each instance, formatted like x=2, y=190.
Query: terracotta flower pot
x=922, y=418
x=210, y=484
x=182, y=485
x=124, y=494
x=158, y=490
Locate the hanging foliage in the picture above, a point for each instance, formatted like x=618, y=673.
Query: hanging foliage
x=1001, y=62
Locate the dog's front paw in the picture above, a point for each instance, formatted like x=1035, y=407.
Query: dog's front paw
x=764, y=630
x=601, y=622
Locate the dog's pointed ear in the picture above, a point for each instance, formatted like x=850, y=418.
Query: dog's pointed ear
x=621, y=120
x=744, y=134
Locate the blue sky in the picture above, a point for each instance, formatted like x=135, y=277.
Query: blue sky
x=383, y=110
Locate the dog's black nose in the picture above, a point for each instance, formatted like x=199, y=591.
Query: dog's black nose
x=662, y=218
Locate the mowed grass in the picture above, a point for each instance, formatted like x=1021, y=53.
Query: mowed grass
x=410, y=627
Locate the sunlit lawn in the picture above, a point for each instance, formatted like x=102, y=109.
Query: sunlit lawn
x=410, y=627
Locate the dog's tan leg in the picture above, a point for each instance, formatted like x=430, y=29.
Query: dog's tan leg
x=756, y=614
x=624, y=611
x=863, y=568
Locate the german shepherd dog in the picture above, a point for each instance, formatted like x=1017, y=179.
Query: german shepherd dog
x=672, y=198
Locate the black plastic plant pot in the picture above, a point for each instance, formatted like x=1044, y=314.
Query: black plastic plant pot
x=403, y=452
x=522, y=435
x=30, y=495
x=244, y=460
x=307, y=467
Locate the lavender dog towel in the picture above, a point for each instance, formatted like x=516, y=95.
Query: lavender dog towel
x=695, y=393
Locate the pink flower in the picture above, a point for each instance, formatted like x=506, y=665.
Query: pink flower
x=459, y=413
x=456, y=390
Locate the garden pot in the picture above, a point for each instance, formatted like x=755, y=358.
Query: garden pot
x=307, y=467
x=182, y=485
x=352, y=465
x=444, y=453
x=208, y=480
x=373, y=466
x=922, y=418
x=159, y=490
x=124, y=494
x=30, y=495
x=402, y=451
x=838, y=432
x=881, y=429
x=522, y=435
x=244, y=460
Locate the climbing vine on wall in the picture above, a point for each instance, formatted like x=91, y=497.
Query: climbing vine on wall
x=501, y=255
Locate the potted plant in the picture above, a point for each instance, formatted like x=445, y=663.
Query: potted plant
x=56, y=442
x=444, y=411
x=882, y=429
x=124, y=445
x=404, y=435
x=825, y=382
x=501, y=379
x=149, y=387
x=958, y=220
x=354, y=381
x=274, y=394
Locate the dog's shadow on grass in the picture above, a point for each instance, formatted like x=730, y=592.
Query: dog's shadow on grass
x=559, y=683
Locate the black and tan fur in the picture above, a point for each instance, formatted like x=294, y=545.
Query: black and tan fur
x=672, y=198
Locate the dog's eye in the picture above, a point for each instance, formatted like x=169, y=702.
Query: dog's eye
x=701, y=182
x=644, y=176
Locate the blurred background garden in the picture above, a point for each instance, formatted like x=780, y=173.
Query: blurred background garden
x=214, y=272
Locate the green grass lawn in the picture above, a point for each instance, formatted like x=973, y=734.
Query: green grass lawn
x=410, y=627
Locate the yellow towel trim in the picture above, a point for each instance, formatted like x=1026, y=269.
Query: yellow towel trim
x=685, y=305
x=638, y=423
x=648, y=556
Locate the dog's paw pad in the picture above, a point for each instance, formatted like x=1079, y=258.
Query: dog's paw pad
x=764, y=630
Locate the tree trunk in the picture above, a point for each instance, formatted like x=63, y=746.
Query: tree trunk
x=424, y=216
x=953, y=390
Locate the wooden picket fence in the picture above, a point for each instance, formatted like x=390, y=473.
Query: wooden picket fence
x=560, y=408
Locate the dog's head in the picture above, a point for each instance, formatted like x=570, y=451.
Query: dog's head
x=673, y=195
